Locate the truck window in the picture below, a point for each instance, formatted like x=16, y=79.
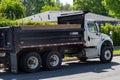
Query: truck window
x=92, y=27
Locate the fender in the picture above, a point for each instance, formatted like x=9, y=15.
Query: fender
x=104, y=38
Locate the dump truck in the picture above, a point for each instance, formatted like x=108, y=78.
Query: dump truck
x=30, y=48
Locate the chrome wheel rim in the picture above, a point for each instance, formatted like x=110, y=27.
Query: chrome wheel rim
x=107, y=54
x=32, y=62
x=54, y=60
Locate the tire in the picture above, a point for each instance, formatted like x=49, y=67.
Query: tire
x=106, y=55
x=52, y=60
x=30, y=62
x=82, y=58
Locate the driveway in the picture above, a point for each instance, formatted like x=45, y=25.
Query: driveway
x=73, y=70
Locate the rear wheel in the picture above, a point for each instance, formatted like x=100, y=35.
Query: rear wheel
x=30, y=62
x=106, y=55
x=52, y=60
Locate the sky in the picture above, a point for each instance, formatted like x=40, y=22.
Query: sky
x=67, y=1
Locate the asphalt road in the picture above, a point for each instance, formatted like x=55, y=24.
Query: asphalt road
x=75, y=70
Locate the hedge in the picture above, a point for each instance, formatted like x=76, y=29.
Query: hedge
x=5, y=23
x=115, y=30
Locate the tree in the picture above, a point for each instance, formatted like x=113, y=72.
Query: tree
x=113, y=6
x=12, y=9
x=58, y=2
x=94, y=6
x=66, y=7
x=49, y=2
x=51, y=5
x=35, y=6
x=48, y=7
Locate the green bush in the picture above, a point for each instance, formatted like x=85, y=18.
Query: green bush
x=115, y=33
x=106, y=29
x=5, y=23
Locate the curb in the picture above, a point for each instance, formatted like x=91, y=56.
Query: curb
x=117, y=55
x=116, y=47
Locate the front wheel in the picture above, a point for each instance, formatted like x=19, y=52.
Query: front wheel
x=106, y=55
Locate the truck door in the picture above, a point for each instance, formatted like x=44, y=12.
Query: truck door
x=93, y=35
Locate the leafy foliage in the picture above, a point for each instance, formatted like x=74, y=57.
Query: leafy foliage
x=12, y=9
x=48, y=7
x=35, y=6
x=66, y=7
x=5, y=23
x=106, y=29
x=115, y=33
x=113, y=6
x=32, y=6
x=94, y=6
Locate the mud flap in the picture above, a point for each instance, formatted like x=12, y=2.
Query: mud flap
x=13, y=62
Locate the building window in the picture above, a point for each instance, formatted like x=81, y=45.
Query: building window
x=48, y=16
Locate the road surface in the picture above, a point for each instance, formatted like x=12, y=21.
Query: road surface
x=73, y=70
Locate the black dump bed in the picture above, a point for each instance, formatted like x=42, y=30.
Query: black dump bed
x=38, y=36
x=12, y=38
x=54, y=35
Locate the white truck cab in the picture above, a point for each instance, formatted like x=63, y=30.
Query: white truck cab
x=97, y=44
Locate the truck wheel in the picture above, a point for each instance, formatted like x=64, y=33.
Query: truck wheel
x=30, y=62
x=83, y=57
x=106, y=55
x=52, y=60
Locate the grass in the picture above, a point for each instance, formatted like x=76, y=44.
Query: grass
x=116, y=52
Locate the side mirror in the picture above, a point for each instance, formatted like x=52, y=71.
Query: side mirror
x=110, y=33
